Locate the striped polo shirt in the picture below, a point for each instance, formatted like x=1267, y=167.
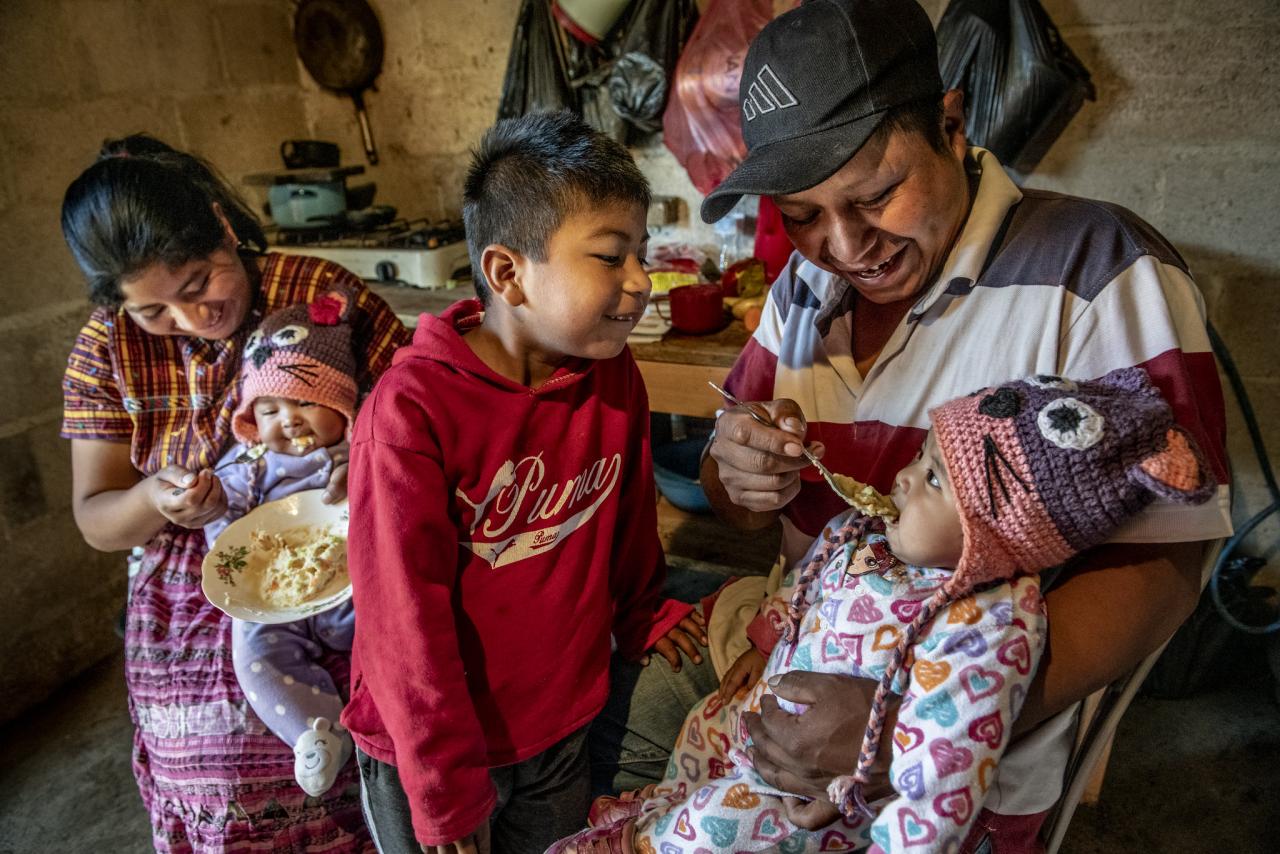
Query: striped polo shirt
x=1037, y=283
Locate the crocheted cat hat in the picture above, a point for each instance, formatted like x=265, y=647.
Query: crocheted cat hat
x=302, y=352
x=1045, y=468
x=1042, y=469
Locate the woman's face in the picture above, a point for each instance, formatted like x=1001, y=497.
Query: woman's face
x=887, y=219
x=206, y=297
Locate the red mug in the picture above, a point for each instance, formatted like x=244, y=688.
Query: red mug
x=695, y=309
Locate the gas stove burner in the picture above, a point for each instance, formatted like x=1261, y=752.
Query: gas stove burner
x=372, y=227
x=418, y=252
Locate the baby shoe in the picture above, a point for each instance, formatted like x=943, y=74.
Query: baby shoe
x=318, y=756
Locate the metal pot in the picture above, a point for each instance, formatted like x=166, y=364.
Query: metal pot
x=307, y=205
x=309, y=154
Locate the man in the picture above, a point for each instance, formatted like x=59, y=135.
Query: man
x=921, y=273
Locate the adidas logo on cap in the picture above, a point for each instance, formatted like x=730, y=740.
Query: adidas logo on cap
x=766, y=94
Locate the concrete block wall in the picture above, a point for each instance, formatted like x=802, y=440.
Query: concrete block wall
x=216, y=77
x=1183, y=132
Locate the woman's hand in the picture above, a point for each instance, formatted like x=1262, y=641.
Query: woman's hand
x=187, y=498
x=743, y=674
x=337, y=488
x=692, y=628
x=802, y=753
x=758, y=466
x=473, y=843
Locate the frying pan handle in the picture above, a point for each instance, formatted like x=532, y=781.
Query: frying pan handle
x=366, y=132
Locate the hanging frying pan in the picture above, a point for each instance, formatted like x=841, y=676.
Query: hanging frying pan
x=340, y=43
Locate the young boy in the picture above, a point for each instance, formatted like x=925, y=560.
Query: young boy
x=503, y=513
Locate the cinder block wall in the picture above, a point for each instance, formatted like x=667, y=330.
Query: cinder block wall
x=1184, y=133
x=219, y=78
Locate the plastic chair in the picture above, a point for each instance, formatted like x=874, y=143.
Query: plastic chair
x=1100, y=715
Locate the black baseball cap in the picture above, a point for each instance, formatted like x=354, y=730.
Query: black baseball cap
x=815, y=85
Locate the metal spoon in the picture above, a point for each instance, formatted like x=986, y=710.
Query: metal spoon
x=826, y=473
x=246, y=456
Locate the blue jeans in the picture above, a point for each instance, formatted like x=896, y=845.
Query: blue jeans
x=631, y=739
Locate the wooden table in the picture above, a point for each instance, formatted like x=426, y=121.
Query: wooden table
x=675, y=369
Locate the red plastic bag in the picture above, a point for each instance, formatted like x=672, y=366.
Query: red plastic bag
x=701, y=125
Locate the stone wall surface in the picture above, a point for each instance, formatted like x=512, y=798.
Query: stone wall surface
x=1183, y=132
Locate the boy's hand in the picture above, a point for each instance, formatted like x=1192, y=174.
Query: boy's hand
x=187, y=498
x=742, y=674
x=682, y=637
x=473, y=843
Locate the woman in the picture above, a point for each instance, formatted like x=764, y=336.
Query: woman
x=175, y=264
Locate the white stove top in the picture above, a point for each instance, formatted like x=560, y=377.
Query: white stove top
x=416, y=253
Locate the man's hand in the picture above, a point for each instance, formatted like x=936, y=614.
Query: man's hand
x=802, y=753
x=187, y=498
x=743, y=674
x=476, y=842
x=686, y=636
x=810, y=815
x=758, y=466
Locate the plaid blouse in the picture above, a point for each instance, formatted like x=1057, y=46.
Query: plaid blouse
x=171, y=397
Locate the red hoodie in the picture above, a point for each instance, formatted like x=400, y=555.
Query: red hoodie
x=498, y=535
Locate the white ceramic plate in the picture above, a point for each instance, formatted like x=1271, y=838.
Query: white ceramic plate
x=233, y=567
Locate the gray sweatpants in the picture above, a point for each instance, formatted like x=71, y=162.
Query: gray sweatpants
x=540, y=801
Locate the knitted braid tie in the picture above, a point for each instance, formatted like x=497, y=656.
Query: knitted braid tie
x=849, y=532
x=845, y=791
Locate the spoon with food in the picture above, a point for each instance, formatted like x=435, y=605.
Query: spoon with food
x=861, y=496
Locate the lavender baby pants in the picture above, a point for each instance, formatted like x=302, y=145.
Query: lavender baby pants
x=279, y=668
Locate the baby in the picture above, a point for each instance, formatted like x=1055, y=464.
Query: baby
x=297, y=405
x=942, y=606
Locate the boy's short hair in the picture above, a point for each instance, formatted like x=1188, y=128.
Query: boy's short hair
x=530, y=173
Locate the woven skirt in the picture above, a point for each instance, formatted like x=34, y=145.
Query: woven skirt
x=212, y=776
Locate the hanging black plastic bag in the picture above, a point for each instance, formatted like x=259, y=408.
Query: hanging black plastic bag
x=1021, y=81
x=536, y=77
x=654, y=34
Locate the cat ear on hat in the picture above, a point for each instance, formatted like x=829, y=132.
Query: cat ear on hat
x=1177, y=472
x=331, y=307
x=1131, y=381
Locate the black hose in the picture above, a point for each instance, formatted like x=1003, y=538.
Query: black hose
x=1264, y=463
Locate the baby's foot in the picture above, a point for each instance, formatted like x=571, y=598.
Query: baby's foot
x=607, y=809
x=318, y=756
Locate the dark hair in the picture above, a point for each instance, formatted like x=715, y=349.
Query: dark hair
x=145, y=202
x=530, y=173
x=922, y=116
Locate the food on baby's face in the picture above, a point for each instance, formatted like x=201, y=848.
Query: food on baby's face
x=300, y=564
x=302, y=443
x=865, y=498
